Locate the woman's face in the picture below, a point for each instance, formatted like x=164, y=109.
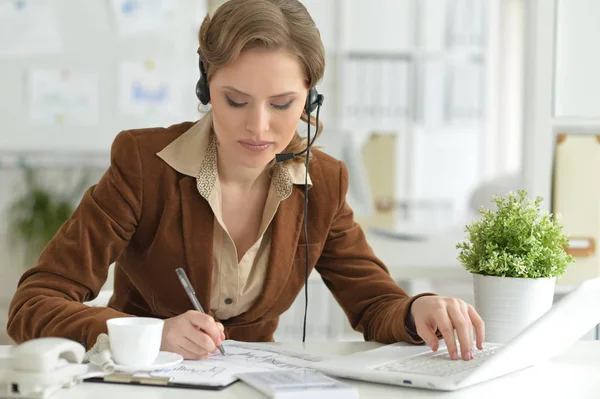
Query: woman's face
x=257, y=101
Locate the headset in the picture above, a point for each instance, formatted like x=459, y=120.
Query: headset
x=314, y=100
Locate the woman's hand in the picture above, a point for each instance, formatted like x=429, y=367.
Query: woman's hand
x=194, y=335
x=431, y=313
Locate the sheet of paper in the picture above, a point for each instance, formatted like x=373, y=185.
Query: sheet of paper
x=241, y=357
x=28, y=28
x=148, y=88
x=133, y=17
x=63, y=97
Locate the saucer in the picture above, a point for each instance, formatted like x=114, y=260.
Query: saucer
x=164, y=359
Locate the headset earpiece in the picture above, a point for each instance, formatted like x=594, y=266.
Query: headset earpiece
x=313, y=100
x=202, y=91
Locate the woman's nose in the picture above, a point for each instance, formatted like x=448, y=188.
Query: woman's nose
x=258, y=121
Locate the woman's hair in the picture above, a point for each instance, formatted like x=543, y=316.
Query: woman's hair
x=239, y=25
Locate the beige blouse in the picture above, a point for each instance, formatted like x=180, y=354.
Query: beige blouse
x=235, y=285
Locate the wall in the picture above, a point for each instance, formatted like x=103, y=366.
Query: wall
x=90, y=44
x=577, y=81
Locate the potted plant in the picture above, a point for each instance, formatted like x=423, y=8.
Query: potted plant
x=515, y=253
x=35, y=216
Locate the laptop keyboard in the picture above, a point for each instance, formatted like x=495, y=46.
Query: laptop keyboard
x=438, y=363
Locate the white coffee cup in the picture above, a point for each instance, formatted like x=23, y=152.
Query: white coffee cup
x=135, y=341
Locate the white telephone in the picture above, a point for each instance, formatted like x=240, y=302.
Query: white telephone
x=39, y=367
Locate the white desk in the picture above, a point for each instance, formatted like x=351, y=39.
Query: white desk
x=573, y=375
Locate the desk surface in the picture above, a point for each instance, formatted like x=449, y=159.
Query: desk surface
x=573, y=374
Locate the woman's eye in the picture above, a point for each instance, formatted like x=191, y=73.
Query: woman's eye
x=233, y=103
x=282, y=106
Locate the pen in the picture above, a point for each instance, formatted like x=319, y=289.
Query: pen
x=187, y=286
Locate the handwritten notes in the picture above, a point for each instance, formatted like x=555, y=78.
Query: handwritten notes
x=241, y=357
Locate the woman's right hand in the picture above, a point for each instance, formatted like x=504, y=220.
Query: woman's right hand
x=194, y=335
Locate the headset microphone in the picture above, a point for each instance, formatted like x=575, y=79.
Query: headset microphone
x=314, y=100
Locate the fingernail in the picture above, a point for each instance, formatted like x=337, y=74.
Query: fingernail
x=431, y=343
x=454, y=356
x=219, y=342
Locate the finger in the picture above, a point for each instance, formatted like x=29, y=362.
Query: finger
x=187, y=355
x=199, y=351
x=190, y=351
x=222, y=330
x=427, y=333
x=200, y=339
x=464, y=310
x=462, y=326
x=206, y=324
x=447, y=330
x=479, y=325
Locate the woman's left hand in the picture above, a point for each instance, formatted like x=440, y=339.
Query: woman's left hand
x=432, y=313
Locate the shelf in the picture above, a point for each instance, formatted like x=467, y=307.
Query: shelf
x=578, y=123
x=411, y=55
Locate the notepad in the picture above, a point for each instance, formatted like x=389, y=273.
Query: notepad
x=298, y=384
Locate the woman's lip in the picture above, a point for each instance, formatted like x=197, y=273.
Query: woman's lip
x=255, y=143
x=257, y=146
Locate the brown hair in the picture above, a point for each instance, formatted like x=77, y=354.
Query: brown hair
x=239, y=25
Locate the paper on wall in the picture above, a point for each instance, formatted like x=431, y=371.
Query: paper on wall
x=28, y=28
x=133, y=17
x=148, y=88
x=62, y=97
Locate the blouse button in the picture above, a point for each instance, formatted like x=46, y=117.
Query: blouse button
x=228, y=301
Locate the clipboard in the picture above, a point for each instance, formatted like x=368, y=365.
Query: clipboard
x=165, y=382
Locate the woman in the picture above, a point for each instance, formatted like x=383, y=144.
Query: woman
x=208, y=197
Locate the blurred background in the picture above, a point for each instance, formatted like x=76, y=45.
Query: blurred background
x=434, y=105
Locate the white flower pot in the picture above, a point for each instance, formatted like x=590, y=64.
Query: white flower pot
x=508, y=305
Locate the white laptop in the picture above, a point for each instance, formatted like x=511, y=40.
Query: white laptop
x=417, y=366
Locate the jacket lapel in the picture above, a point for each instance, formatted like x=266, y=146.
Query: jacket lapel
x=287, y=226
x=197, y=221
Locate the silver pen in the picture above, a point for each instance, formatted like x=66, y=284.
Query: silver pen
x=187, y=286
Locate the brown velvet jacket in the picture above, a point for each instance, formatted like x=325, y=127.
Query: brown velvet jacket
x=150, y=219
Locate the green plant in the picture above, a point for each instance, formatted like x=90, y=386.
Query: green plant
x=517, y=239
x=36, y=215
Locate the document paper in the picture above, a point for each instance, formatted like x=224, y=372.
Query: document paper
x=240, y=357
